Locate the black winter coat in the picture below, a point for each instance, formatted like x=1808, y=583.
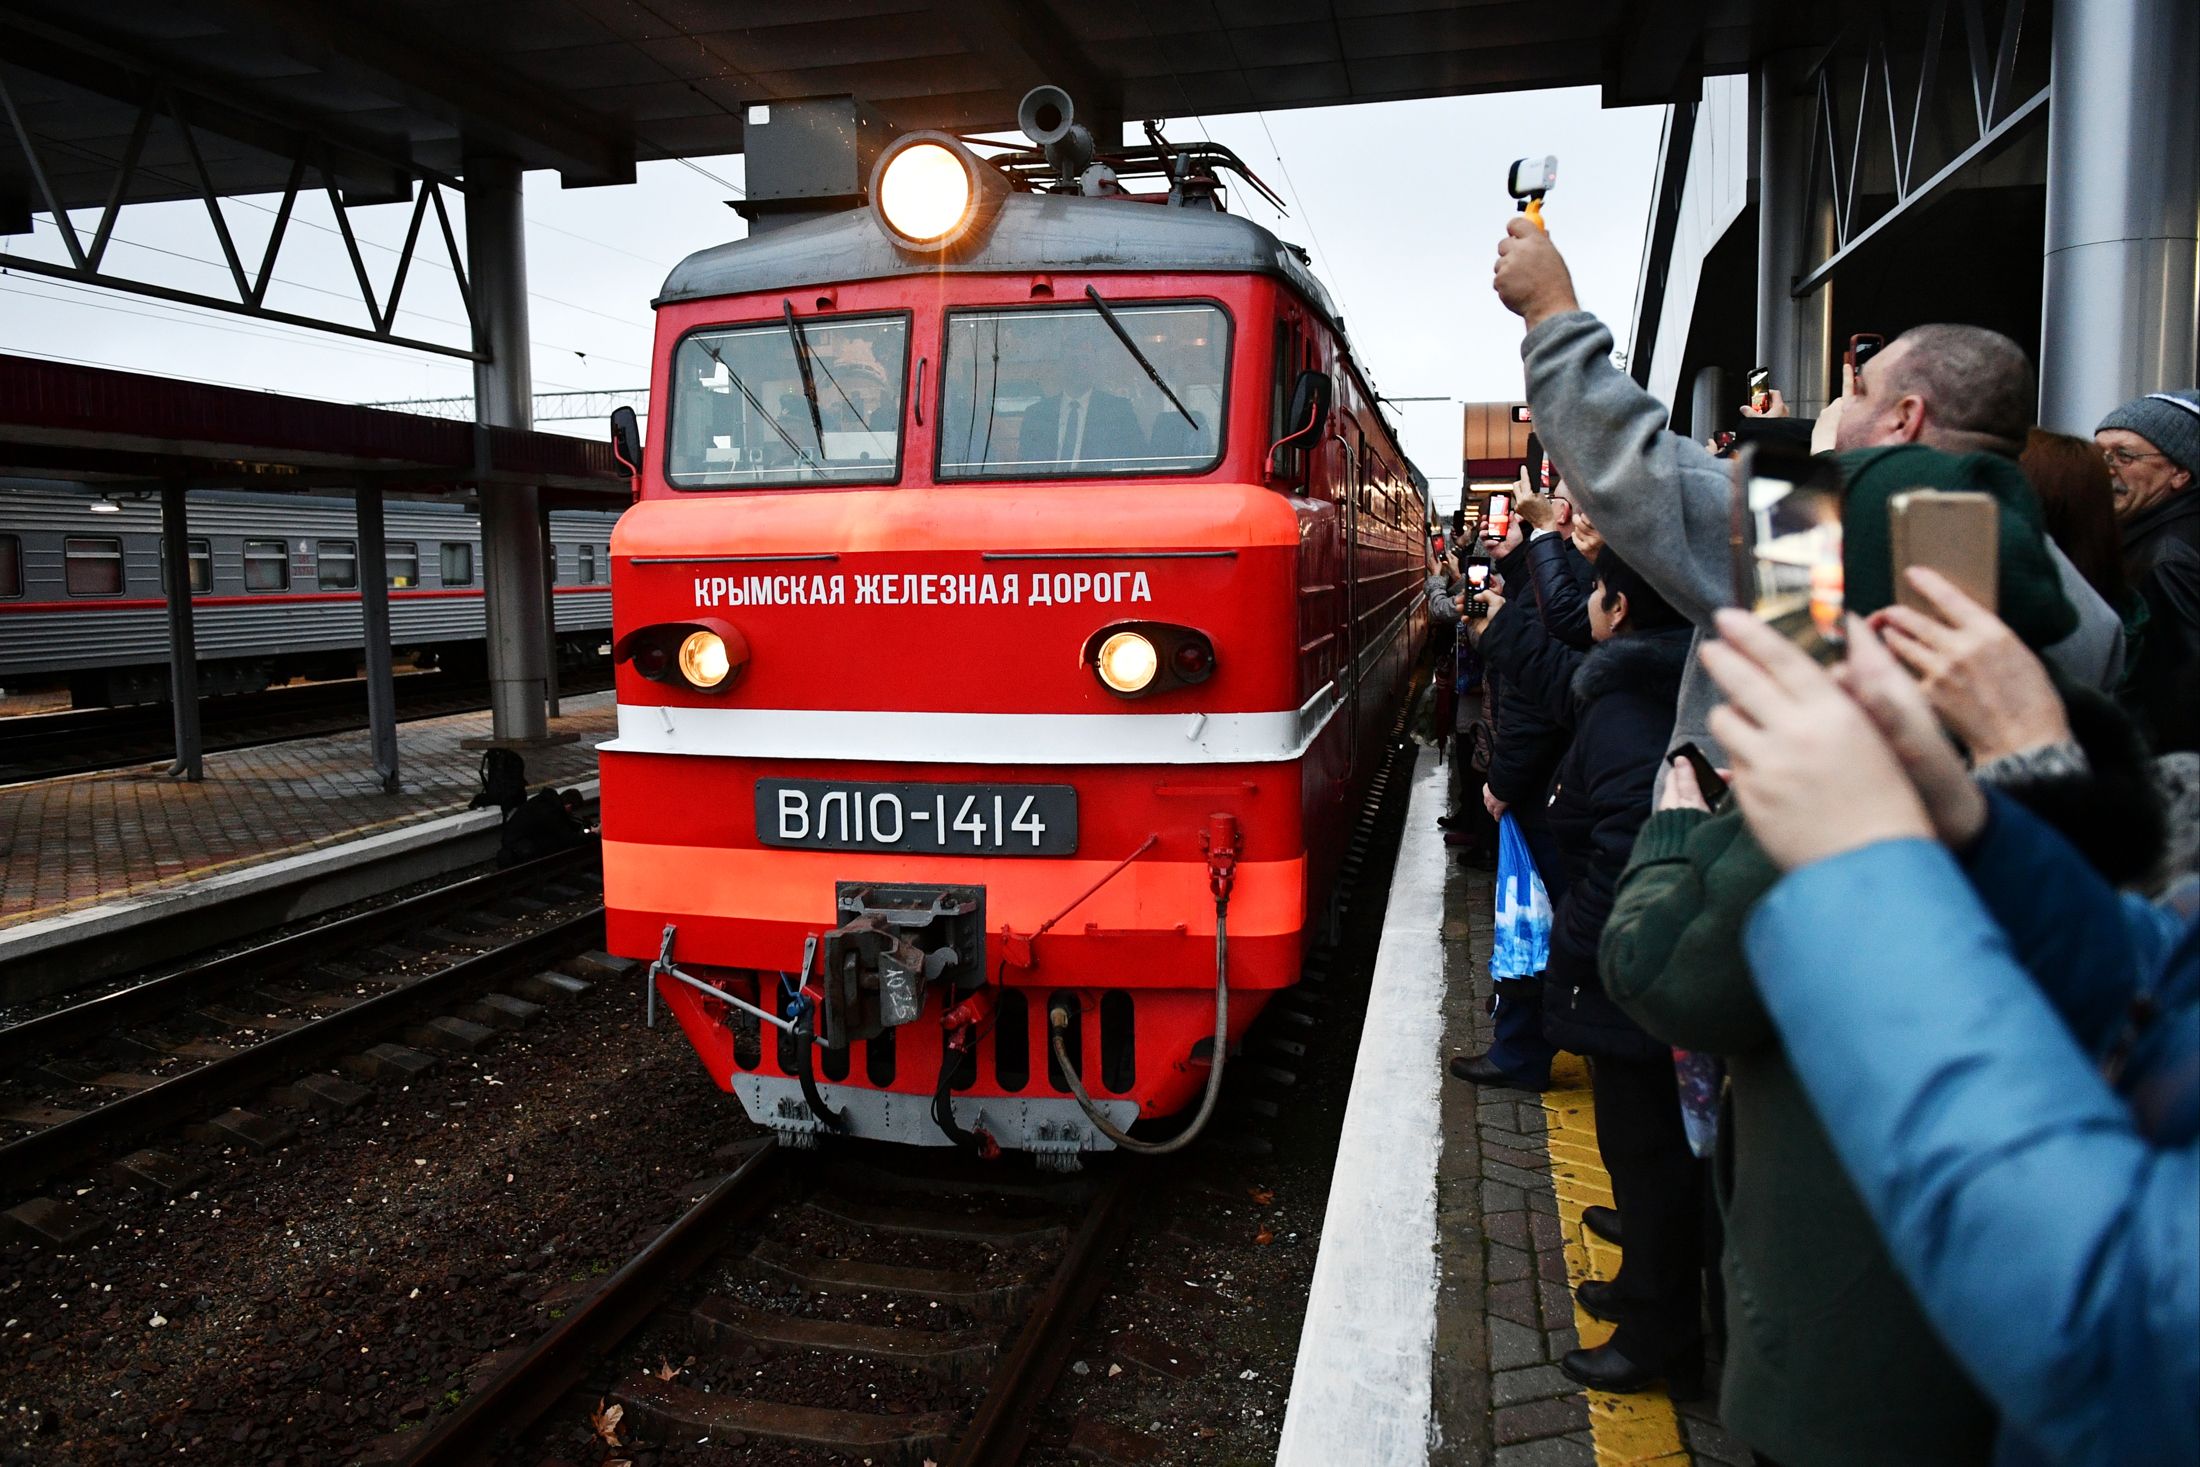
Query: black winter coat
x=1563, y=579
x=1530, y=734
x=1626, y=693
x=2162, y=559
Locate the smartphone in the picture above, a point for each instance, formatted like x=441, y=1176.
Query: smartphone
x=1498, y=517
x=1478, y=578
x=1786, y=537
x=1956, y=533
x=1863, y=346
x=1707, y=778
x=1760, y=388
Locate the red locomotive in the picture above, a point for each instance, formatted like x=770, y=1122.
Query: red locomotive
x=1020, y=584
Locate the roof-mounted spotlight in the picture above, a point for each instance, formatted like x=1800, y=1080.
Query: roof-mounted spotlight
x=932, y=194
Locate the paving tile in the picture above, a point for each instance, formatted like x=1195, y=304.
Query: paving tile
x=1554, y=1451
x=1515, y=1302
x=1513, y=1345
x=1535, y=1419
x=94, y=838
x=1531, y=1383
x=1509, y=1264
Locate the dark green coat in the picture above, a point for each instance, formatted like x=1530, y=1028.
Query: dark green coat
x=1829, y=1362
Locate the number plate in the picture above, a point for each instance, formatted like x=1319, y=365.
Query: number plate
x=948, y=819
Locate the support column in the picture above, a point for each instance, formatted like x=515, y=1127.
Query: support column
x=1791, y=333
x=1709, y=403
x=374, y=621
x=183, y=653
x=550, y=614
x=2122, y=279
x=511, y=531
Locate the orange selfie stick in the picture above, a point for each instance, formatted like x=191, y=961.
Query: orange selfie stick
x=1534, y=210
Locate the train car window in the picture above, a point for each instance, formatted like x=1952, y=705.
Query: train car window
x=746, y=414
x=587, y=574
x=550, y=563
x=1053, y=392
x=92, y=565
x=458, y=565
x=202, y=566
x=401, y=563
x=266, y=565
x=338, y=564
x=11, y=566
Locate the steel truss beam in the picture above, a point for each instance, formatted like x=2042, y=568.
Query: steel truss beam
x=550, y=407
x=308, y=153
x=1838, y=152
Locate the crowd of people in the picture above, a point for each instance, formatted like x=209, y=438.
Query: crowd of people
x=1892, y=955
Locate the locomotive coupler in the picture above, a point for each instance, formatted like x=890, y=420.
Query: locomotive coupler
x=893, y=943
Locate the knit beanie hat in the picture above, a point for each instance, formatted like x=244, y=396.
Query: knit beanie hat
x=2168, y=420
x=2030, y=591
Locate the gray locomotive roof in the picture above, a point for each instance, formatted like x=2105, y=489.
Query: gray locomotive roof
x=1034, y=232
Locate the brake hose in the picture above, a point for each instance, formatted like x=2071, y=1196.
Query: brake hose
x=833, y=1120
x=1058, y=1023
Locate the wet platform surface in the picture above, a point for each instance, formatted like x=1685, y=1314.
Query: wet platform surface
x=1444, y=1295
x=89, y=839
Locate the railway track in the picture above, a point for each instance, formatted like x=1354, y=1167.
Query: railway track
x=989, y=1275
x=84, y=1081
x=84, y=740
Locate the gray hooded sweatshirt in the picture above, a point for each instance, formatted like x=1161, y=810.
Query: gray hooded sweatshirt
x=1665, y=502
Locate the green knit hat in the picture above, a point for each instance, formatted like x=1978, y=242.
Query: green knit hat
x=2031, y=595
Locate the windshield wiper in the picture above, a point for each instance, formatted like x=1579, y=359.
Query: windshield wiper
x=764, y=416
x=1108, y=315
x=809, y=380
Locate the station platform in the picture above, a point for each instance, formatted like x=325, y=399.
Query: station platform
x=117, y=848
x=1443, y=1295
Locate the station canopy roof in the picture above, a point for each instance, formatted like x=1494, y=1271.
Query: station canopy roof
x=590, y=87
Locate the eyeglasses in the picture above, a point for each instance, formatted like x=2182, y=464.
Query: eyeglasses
x=2124, y=457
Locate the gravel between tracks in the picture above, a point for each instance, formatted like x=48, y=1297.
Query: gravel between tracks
x=299, y=1305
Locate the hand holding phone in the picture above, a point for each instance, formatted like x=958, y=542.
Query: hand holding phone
x=1955, y=533
x=1760, y=388
x=1708, y=783
x=1499, y=516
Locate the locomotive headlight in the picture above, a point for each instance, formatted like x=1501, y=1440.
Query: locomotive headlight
x=703, y=659
x=932, y=196
x=924, y=191
x=1127, y=662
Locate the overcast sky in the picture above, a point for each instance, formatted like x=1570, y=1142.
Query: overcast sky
x=1401, y=203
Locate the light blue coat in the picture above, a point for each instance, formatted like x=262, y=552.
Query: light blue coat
x=1957, y=1028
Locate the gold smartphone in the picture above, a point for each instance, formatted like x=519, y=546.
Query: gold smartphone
x=1956, y=532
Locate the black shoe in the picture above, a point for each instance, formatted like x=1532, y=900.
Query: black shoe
x=1606, y=1369
x=1478, y=1069
x=1599, y=1299
x=1451, y=822
x=1604, y=1222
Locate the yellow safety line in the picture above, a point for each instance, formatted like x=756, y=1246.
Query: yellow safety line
x=1640, y=1430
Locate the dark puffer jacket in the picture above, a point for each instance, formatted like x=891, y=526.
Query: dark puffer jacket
x=2162, y=558
x=1562, y=577
x=1625, y=693
x=1530, y=735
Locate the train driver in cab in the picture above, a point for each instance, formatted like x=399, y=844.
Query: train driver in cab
x=1083, y=421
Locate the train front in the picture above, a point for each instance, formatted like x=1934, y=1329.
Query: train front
x=960, y=679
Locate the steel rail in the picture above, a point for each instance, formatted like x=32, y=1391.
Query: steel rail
x=24, y=1042
x=34, y=1158
x=998, y=1433
x=523, y=1391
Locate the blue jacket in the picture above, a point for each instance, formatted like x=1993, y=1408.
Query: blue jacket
x=1952, y=1025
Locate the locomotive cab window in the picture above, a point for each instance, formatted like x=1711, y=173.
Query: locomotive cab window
x=92, y=565
x=458, y=565
x=338, y=564
x=801, y=401
x=11, y=567
x=401, y=562
x=202, y=566
x=1057, y=393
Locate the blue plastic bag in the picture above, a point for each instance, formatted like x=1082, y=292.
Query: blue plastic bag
x=1521, y=945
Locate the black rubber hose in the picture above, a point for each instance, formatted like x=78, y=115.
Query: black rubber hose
x=943, y=1107
x=1058, y=1021
x=834, y=1121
